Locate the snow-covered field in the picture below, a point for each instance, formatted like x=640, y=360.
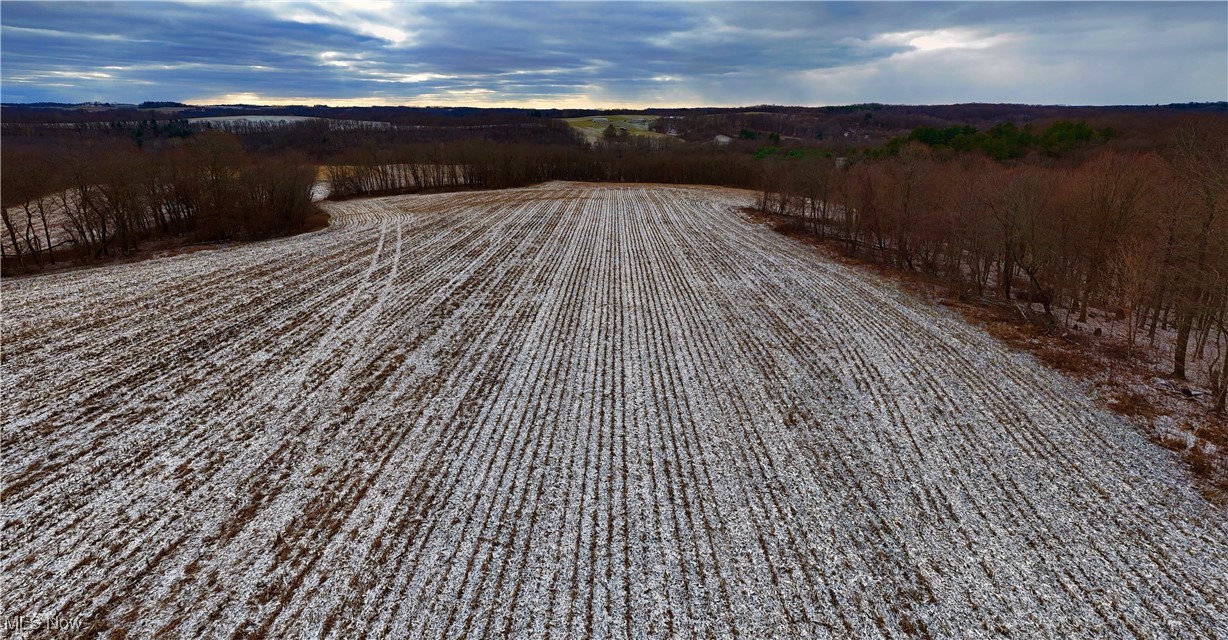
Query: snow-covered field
x=240, y=123
x=565, y=411
x=253, y=119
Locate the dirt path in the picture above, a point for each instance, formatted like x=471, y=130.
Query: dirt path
x=564, y=411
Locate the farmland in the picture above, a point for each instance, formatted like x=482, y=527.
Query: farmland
x=563, y=411
x=593, y=126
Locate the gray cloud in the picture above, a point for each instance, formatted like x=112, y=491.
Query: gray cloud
x=615, y=54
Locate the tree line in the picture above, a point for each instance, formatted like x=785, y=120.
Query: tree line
x=1006, y=140
x=1143, y=234
x=480, y=164
x=104, y=197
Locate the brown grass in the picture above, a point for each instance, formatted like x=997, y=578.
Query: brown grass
x=315, y=222
x=1133, y=404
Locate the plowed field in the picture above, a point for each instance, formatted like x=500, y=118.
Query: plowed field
x=565, y=411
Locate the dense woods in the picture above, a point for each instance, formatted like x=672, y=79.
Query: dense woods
x=381, y=170
x=103, y=197
x=1140, y=234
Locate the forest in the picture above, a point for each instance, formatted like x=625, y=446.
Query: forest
x=100, y=197
x=1140, y=233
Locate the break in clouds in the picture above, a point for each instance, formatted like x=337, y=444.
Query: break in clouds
x=615, y=54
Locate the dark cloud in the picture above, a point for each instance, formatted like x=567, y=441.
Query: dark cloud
x=597, y=54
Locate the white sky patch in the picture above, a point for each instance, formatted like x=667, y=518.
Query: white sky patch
x=80, y=75
x=373, y=71
x=179, y=66
x=949, y=67
x=338, y=59
x=265, y=100
x=590, y=96
x=939, y=39
x=232, y=98
x=77, y=35
x=409, y=78
x=540, y=72
x=61, y=75
x=392, y=34
x=392, y=22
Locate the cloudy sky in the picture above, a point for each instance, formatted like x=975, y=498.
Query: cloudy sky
x=617, y=54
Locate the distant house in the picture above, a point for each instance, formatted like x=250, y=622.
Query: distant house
x=722, y=139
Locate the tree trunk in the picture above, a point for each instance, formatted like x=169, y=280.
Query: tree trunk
x=1183, y=341
x=13, y=236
